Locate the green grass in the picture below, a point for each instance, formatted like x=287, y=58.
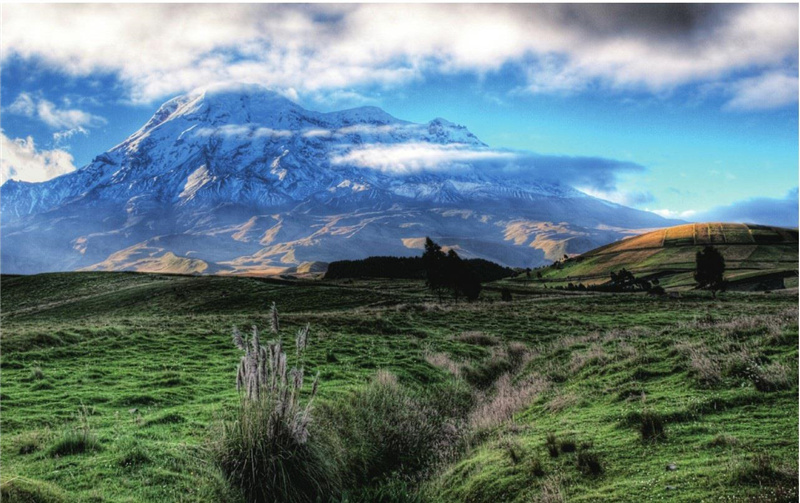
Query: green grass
x=150, y=358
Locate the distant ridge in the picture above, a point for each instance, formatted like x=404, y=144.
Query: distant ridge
x=756, y=256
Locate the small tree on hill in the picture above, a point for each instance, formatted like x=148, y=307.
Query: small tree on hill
x=710, y=270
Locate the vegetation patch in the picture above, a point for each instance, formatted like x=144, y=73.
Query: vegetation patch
x=451, y=439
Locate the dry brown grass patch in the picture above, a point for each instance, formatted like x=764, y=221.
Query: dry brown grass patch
x=477, y=338
x=561, y=402
x=443, y=361
x=509, y=398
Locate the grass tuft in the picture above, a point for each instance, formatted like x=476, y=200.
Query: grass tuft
x=77, y=439
x=25, y=490
x=651, y=426
x=589, y=463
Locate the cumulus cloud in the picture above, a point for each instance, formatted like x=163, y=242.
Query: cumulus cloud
x=770, y=90
x=415, y=157
x=320, y=48
x=411, y=158
x=759, y=210
x=22, y=161
x=70, y=121
x=23, y=105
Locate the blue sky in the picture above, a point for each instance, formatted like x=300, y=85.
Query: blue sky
x=701, y=98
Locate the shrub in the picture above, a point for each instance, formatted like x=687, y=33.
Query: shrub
x=508, y=399
x=589, y=463
x=740, y=363
x=552, y=491
x=78, y=439
x=651, y=426
x=443, y=361
x=32, y=442
x=759, y=469
x=388, y=429
x=518, y=354
x=772, y=377
x=703, y=367
x=595, y=355
x=22, y=489
x=513, y=449
x=568, y=446
x=36, y=373
x=533, y=466
x=266, y=458
x=561, y=402
x=552, y=445
x=723, y=440
x=477, y=338
x=266, y=449
x=132, y=454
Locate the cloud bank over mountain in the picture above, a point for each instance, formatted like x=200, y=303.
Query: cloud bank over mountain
x=758, y=210
x=560, y=48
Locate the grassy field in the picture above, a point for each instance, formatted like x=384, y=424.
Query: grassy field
x=571, y=397
x=756, y=257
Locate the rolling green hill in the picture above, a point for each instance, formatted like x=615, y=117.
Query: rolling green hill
x=554, y=396
x=757, y=257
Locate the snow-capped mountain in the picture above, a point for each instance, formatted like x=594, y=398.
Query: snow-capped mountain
x=242, y=180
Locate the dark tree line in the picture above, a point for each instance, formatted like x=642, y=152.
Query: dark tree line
x=407, y=268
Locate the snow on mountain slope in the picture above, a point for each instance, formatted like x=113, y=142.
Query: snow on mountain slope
x=242, y=180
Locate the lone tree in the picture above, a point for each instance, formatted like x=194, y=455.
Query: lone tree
x=710, y=270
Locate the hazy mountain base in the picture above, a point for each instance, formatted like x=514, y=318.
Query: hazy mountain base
x=151, y=358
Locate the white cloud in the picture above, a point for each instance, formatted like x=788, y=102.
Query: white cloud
x=767, y=91
x=23, y=105
x=71, y=121
x=20, y=160
x=240, y=130
x=411, y=158
x=319, y=48
x=625, y=198
x=316, y=133
x=55, y=117
x=667, y=213
x=61, y=136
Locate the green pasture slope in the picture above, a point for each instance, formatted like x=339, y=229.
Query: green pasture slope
x=757, y=257
x=630, y=398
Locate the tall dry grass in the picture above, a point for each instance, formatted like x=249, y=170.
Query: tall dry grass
x=509, y=397
x=266, y=448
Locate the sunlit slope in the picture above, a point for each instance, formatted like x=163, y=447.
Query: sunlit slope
x=754, y=254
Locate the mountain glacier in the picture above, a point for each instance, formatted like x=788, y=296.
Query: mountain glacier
x=240, y=180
